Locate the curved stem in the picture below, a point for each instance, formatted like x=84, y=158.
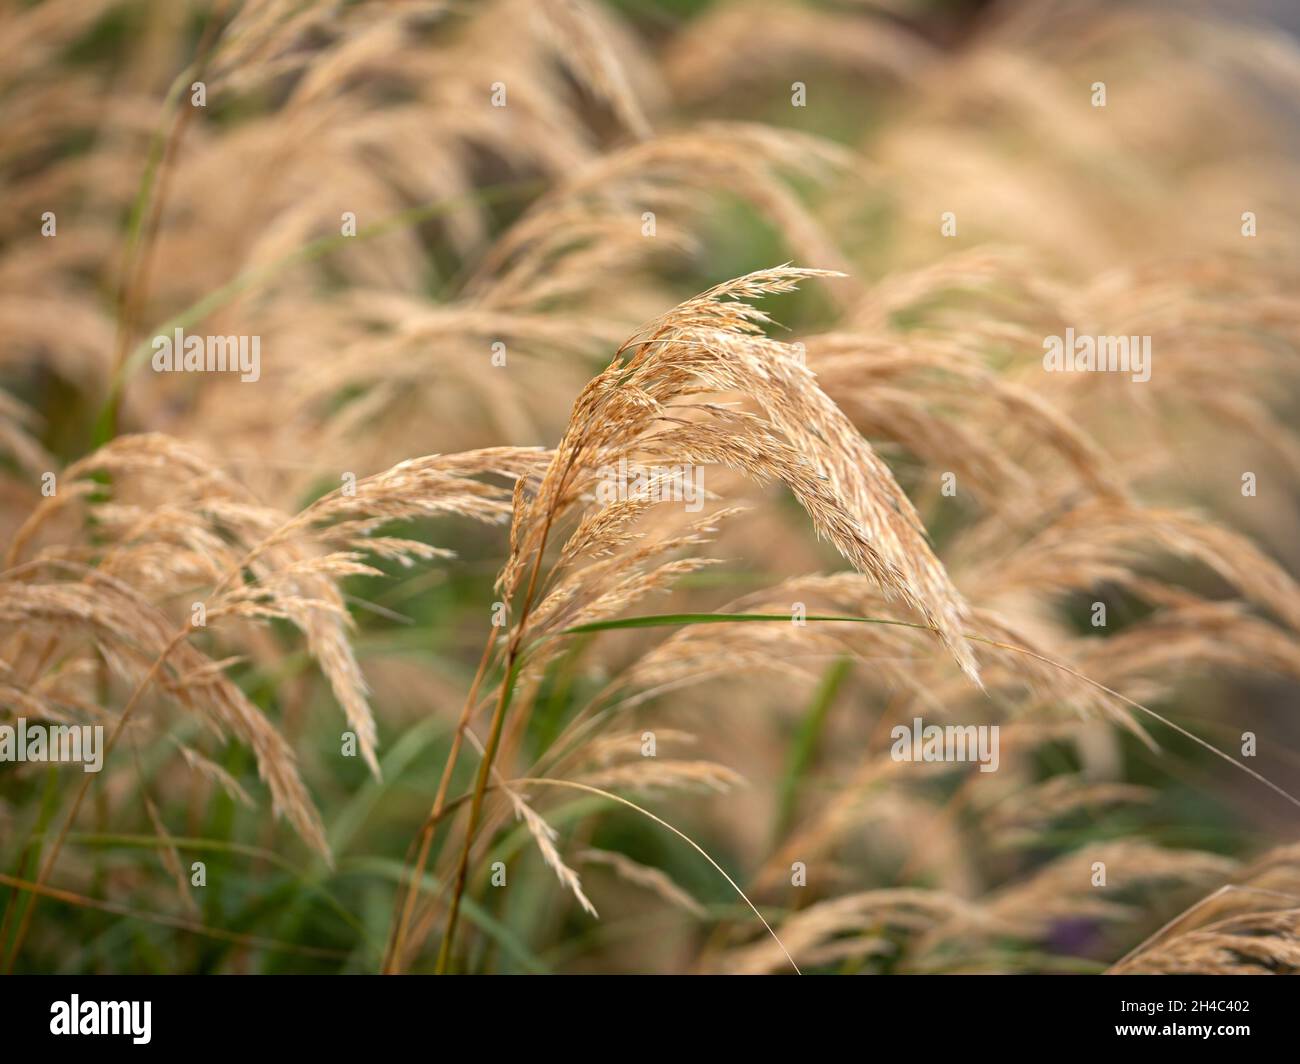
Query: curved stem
x=494, y=739
x=397, y=941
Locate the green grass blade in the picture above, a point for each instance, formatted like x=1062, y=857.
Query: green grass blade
x=805, y=743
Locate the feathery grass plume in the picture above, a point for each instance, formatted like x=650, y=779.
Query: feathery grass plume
x=131, y=633
x=302, y=591
x=734, y=46
x=1263, y=943
x=300, y=81
x=1098, y=542
x=1057, y=896
x=541, y=289
x=671, y=174
x=545, y=835
x=651, y=879
x=933, y=396
x=651, y=402
x=648, y=775
x=1062, y=889
x=190, y=524
x=852, y=926
x=595, y=50
x=209, y=769
x=1248, y=927
x=1020, y=815
x=18, y=425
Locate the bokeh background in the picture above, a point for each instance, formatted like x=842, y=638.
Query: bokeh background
x=525, y=226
